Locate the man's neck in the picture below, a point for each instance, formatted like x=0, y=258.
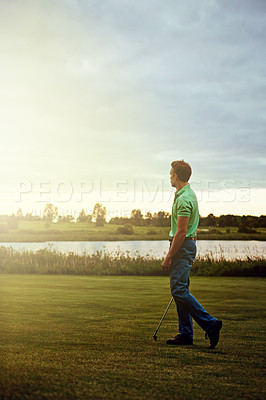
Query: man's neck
x=180, y=185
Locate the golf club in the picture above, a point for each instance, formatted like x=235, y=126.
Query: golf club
x=155, y=336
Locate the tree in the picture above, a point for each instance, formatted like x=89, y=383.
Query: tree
x=211, y=220
x=83, y=217
x=162, y=218
x=262, y=221
x=136, y=217
x=50, y=212
x=99, y=214
x=148, y=218
x=119, y=220
x=66, y=218
x=226, y=220
x=19, y=214
x=28, y=216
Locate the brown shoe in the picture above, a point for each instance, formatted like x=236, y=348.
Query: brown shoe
x=180, y=340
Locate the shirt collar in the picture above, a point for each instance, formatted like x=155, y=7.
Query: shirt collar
x=178, y=193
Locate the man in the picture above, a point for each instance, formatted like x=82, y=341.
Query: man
x=182, y=252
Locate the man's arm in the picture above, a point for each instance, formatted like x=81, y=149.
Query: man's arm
x=182, y=224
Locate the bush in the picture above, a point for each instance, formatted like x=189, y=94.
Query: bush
x=127, y=229
x=245, y=229
x=214, y=230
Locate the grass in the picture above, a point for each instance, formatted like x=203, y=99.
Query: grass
x=73, y=337
x=40, y=231
x=48, y=261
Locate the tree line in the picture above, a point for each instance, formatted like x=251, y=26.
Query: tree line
x=245, y=223
x=98, y=215
x=50, y=213
x=241, y=222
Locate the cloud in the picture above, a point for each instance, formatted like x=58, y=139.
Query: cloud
x=119, y=89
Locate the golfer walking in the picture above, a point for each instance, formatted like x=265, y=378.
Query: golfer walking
x=182, y=252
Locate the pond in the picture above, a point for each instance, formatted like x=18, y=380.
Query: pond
x=229, y=249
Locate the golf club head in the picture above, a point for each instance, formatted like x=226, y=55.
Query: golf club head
x=155, y=337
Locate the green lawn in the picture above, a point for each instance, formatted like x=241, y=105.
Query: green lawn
x=38, y=231
x=74, y=337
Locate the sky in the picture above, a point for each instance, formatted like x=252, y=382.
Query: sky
x=99, y=97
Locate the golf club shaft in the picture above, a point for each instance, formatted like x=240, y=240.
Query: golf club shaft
x=170, y=302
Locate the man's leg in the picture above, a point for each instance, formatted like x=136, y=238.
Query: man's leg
x=184, y=322
x=178, y=282
x=185, y=336
x=184, y=318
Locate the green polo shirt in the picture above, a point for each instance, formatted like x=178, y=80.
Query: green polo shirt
x=185, y=205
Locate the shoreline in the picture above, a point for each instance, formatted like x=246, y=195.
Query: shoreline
x=127, y=239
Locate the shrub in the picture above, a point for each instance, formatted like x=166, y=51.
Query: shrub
x=214, y=230
x=245, y=229
x=127, y=229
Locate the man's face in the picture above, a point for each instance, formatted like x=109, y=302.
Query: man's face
x=173, y=178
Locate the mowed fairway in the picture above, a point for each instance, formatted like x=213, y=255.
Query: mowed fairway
x=73, y=337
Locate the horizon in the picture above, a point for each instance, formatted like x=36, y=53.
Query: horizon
x=88, y=211
x=70, y=199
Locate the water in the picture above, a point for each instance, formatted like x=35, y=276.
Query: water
x=217, y=248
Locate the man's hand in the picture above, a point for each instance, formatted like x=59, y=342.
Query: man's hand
x=166, y=265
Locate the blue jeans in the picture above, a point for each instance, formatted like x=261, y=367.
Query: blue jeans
x=187, y=306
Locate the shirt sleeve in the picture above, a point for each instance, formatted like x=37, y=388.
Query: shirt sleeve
x=184, y=209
